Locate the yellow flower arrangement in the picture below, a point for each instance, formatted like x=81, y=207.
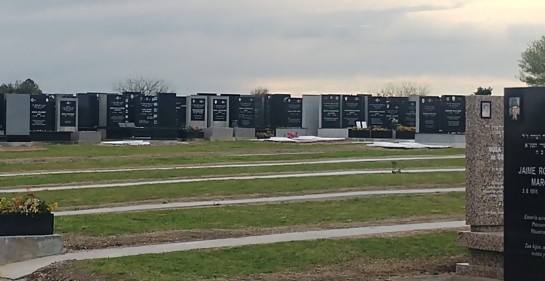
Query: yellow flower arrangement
x=27, y=204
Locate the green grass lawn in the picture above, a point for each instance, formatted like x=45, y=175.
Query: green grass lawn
x=248, y=261
x=8, y=182
x=200, y=190
x=111, y=157
x=267, y=215
x=86, y=150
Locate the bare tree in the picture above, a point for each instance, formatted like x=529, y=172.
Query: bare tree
x=259, y=91
x=146, y=86
x=404, y=89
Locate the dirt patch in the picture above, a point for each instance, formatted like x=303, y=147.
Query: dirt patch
x=361, y=269
x=76, y=242
x=21, y=148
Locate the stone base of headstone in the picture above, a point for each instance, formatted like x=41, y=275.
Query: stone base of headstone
x=456, y=141
x=287, y=132
x=18, y=138
x=485, y=254
x=51, y=137
x=21, y=248
x=244, y=133
x=160, y=134
x=88, y=137
x=218, y=134
x=333, y=133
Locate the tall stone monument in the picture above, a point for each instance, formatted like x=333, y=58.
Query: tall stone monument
x=484, y=188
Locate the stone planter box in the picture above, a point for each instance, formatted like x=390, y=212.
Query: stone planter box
x=365, y=134
x=405, y=135
x=190, y=135
x=358, y=134
x=25, y=225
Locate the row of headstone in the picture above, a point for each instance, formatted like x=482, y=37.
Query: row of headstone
x=167, y=112
x=233, y=110
x=435, y=114
x=444, y=114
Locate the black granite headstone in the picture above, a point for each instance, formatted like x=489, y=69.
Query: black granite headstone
x=353, y=110
x=132, y=99
x=181, y=112
x=276, y=110
x=246, y=112
x=376, y=112
x=295, y=113
x=166, y=110
x=524, y=184
x=395, y=108
x=42, y=113
x=117, y=111
x=233, y=108
x=454, y=114
x=2, y=113
x=430, y=115
x=219, y=110
x=407, y=114
x=67, y=113
x=198, y=109
x=145, y=111
x=259, y=111
x=88, y=111
x=331, y=111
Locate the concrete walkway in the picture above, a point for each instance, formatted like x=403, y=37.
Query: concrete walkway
x=21, y=269
x=234, y=165
x=309, y=197
x=252, y=177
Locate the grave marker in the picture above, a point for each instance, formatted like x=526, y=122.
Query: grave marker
x=88, y=111
x=524, y=169
x=330, y=112
x=376, y=108
x=429, y=115
x=2, y=113
x=454, y=114
x=42, y=113
x=295, y=112
x=246, y=112
x=181, y=112
x=352, y=110
x=67, y=114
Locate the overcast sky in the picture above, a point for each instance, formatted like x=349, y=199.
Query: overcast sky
x=294, y=46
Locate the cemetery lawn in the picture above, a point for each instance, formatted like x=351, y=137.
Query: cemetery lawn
x=216, y=190
x=354, y=259
x=108, y=157
x=36, y=180
x=323, y=214
x=232, y=147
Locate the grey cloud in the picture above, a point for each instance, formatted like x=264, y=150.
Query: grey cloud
x=213, y=45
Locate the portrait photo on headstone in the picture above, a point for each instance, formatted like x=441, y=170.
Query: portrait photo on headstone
x=514, y=108
x=486, y=111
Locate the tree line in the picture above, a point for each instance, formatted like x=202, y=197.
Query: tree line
x=21, y=87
